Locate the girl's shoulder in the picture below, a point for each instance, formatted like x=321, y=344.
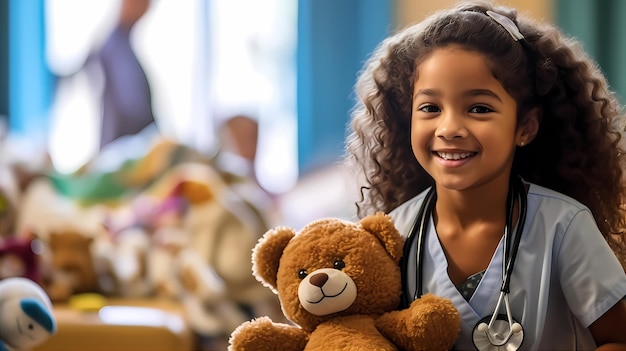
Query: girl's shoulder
x=543, y=196
x=550, y=211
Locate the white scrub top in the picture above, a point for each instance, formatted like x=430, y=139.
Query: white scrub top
x=565, y=276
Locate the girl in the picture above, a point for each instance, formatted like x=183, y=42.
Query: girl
x=495, y=144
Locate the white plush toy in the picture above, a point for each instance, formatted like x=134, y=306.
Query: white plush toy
x=26, y=318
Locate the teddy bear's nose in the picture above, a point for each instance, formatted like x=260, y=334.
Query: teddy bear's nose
x=319, y=279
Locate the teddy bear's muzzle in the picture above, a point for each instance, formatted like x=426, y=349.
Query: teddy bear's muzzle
x=326, y=291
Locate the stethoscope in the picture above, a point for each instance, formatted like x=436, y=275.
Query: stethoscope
x=498, y=331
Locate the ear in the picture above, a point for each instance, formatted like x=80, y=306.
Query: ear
x=381, y=226
x=529, y=127
x=267, y=253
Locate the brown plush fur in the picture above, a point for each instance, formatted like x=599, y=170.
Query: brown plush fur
x=71, y=268
x=371, y=250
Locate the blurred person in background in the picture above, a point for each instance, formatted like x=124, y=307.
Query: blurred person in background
x=238, y=142
x=126, y=93
x=238, y=137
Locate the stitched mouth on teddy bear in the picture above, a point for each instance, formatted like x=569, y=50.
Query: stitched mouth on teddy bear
x=326, y=291
x=329, y=296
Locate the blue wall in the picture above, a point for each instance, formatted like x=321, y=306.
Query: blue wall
x=30, y=81
x=334, y=39
x=4, y=59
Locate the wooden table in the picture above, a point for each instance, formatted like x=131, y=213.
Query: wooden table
x=121, y=325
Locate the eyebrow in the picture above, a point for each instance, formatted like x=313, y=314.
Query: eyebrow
x=469, y=93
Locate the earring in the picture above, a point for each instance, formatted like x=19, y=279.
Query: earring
x=521, y=143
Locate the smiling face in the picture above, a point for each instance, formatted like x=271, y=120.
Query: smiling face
x=463, y=129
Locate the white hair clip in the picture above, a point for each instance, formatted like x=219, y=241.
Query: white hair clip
x=507, y=24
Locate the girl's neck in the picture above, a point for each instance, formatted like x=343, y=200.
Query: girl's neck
x=463, y=209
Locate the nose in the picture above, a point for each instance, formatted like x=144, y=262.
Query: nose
x=451, y=126
x=319, y=279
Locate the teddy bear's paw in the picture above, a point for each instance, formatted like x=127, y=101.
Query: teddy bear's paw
x=262, y=334
x=430, y=323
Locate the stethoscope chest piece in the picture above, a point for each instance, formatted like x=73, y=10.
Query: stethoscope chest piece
x=500, y=336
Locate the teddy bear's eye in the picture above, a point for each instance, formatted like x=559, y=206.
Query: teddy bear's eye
x=339, y=264
x=302, y=273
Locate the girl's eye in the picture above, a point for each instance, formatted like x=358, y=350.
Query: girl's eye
x=480, y=109
x=428, y=108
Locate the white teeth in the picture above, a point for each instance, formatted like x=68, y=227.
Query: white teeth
x=454, y=156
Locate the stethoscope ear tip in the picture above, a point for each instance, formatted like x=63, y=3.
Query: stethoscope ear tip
x=482, y=327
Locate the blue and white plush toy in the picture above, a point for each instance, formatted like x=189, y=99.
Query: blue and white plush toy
x=26, y=318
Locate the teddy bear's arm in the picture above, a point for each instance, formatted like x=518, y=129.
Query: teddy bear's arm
x=430, y=323
x=262, y=334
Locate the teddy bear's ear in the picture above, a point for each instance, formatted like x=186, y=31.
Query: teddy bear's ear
x=267, y=253
x=382, y=227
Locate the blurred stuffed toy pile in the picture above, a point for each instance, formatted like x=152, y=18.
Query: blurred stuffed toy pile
x=163, y=223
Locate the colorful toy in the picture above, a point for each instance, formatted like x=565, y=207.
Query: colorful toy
x=18, y=258
x=203, y=256
x=339, y=282
x=26, y=318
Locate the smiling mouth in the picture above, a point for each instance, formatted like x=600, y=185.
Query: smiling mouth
x=325, y=296
x=455, y=155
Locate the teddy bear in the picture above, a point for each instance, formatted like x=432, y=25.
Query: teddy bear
x=339, y=283
x=68, y=265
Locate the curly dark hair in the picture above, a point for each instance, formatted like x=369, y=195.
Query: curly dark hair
x=577, y=151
